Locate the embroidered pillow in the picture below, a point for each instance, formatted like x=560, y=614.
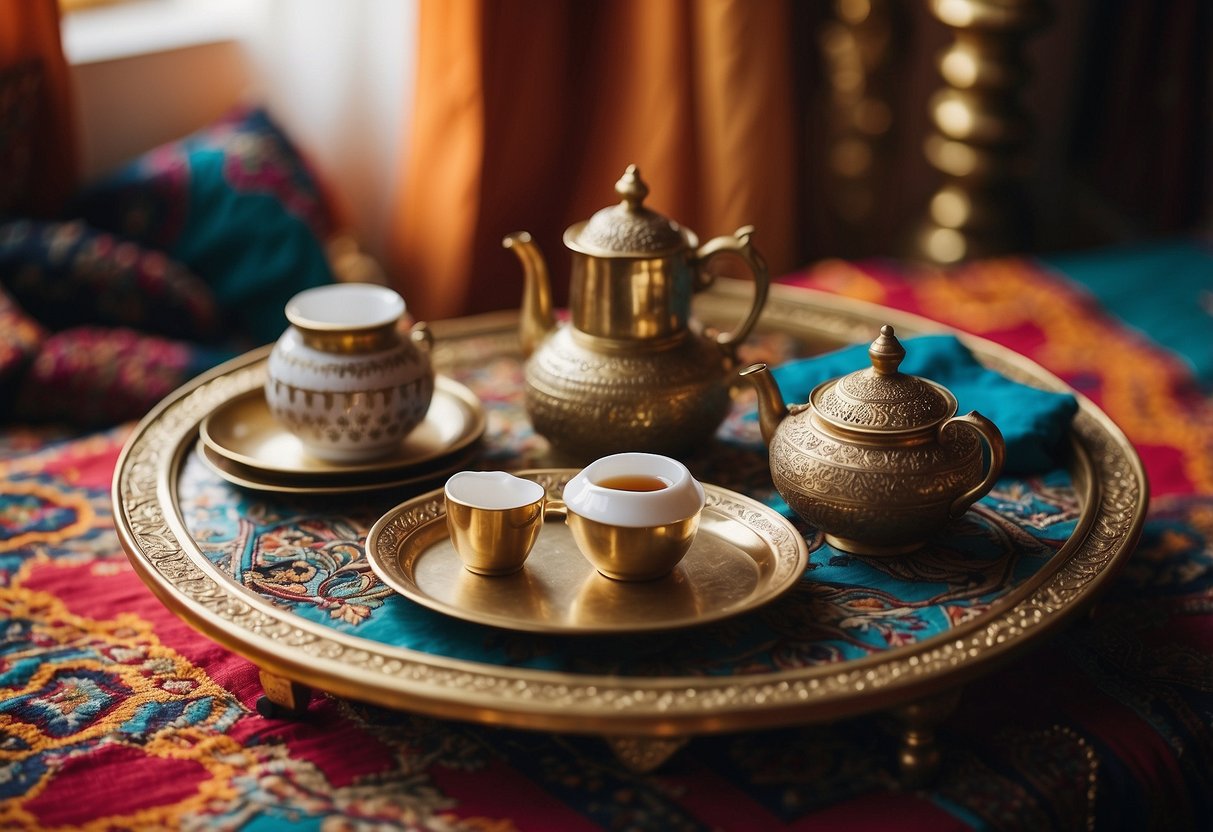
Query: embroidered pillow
x=237, y=205
x=66, y=274
x=97, y=376
x=20, y=338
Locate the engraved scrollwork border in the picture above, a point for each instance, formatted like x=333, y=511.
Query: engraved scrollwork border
x=144, y=495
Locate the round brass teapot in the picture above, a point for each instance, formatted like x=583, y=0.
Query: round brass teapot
x=877, y=459
x=630, y=371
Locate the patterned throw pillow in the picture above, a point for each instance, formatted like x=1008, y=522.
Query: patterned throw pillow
x=237, y=205
x=20, y=338
x=95, y=376
x=67, y=274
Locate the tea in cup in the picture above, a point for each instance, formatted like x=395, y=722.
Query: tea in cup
x=634, y=515
x=494, y=519
x=343, y=378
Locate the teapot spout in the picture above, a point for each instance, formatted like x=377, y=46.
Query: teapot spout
x=536, y=320
x=771, y=407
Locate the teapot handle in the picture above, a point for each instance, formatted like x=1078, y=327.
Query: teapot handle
x=998, y=455
x=738, y=244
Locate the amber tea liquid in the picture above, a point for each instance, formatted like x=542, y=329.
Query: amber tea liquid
x=633, y=482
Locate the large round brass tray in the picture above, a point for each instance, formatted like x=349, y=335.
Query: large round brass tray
x=1105, y=470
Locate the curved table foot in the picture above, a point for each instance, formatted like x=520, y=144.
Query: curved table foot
x=919, y=756
x=644, y=754
x=283, y=698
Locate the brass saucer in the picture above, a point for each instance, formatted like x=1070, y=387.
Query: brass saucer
x=745, y=555
x=243, y=433
x=258, y=480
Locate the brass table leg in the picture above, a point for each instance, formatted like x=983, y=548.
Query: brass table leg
x=919, y=756
x=283, y=698
x=644, y=754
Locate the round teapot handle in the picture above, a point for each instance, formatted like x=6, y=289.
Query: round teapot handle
x=998, y=455
x=738, y=244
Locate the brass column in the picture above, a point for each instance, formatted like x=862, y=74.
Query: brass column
x=857, y=49
x=980, y=131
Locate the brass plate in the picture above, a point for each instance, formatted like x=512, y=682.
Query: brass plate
x=258, y=480
x=243, y=431
x=744, y=555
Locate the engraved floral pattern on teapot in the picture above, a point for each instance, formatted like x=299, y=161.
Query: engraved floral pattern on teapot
x=877, y=459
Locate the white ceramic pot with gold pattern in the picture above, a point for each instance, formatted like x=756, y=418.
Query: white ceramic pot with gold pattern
x=344, y=378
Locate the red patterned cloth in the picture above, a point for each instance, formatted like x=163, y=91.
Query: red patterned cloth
x=115, y=714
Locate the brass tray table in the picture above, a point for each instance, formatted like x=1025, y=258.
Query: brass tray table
x=645, y=717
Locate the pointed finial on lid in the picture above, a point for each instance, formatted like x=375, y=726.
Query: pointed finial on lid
x=886, y=352
x=632, y=188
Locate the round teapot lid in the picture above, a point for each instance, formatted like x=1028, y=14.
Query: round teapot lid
x=627, y=229
x=880, y=398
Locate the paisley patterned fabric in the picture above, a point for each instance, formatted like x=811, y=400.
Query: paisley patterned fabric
x=114, y=714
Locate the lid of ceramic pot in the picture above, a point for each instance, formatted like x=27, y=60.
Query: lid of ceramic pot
x=627, y=229
x=881, y=398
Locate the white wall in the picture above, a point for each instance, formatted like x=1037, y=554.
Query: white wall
x=337, y=74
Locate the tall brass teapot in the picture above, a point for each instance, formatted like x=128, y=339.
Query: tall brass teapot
x=630, y=371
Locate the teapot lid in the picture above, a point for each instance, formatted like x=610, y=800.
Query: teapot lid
x=627, y=229
x=881, y=398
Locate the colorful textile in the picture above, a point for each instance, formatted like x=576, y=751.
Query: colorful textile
x=236, y=204
x=66, y=274
x=115, y=714
x=1122, y=280
x=183, y=259
x=97, y=329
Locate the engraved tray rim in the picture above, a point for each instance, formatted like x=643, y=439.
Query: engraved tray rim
x=153, y=534
x=789, y=561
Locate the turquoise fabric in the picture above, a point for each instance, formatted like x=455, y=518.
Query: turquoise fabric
x=236, y=204
x=1163, y=290
x=1033, y=421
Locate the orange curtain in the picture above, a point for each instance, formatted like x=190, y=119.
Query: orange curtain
x=527, y=111
x=36, y=136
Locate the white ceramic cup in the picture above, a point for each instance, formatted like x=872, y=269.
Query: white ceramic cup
x=634, y=515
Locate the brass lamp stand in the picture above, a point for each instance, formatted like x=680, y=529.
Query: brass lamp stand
x=980, y=130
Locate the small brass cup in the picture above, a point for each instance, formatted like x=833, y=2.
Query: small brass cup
x=626, y=553
x=494, y=519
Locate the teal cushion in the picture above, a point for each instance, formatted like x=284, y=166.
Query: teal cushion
x=236, y=204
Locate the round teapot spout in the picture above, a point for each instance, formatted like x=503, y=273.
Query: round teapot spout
x=771, y=407
x=536, y=320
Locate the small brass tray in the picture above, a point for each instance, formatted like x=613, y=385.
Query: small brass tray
x=243, y=432
x=745, y=555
